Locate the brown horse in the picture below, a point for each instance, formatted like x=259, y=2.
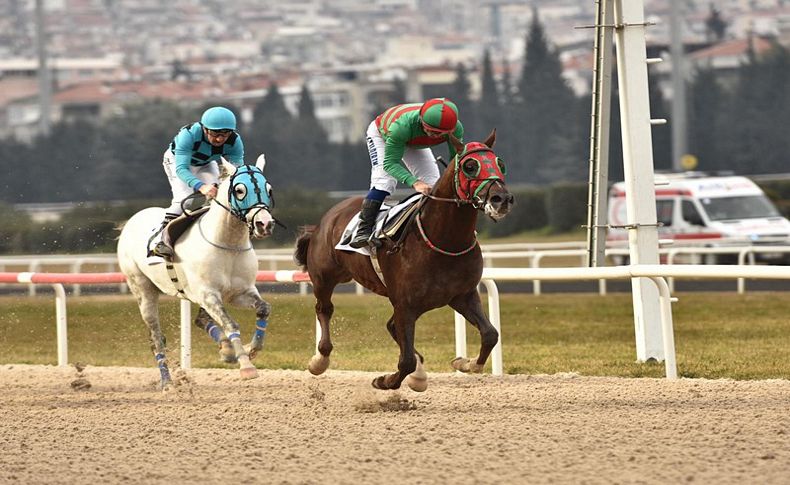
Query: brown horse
x=439, y=262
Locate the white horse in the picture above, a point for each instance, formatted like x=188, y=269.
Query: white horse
x=214, y=264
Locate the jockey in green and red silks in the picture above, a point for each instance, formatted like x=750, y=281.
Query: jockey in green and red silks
x=399, y=142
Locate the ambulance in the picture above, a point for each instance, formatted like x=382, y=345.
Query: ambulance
x=710, y=211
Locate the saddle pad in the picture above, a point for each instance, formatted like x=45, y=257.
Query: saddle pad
x=386, y=214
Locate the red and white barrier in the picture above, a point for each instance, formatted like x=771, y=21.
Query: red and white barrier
x=656, y=273
x=57, y=280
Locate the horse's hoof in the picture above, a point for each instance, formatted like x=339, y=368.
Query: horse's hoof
x=318, y=364
x=249, y=373
x=467, y=365
x=378, y=383
x=381, y=383
x=418, y=380
x=417, y=384
x=226, y=352
x=252, y=351
x=167, y=386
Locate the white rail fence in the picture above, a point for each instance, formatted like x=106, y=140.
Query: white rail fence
x=533, y=254
x=656, y=273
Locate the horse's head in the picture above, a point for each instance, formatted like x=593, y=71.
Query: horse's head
x=479, y=177
x=248, y=196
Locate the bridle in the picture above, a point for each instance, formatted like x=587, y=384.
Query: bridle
x=463, y=193
x=259, y=194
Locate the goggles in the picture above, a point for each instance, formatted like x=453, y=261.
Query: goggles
x=219, y=132
x=433, y=132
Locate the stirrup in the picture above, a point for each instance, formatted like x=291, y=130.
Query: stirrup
x=163, y=250
x=360, y=242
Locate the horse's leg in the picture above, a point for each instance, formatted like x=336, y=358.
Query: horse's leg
x=251, y=298
x=324, y=308
x=469, y=306
x=204, y=322
x=212, y=302
x=147, y=296
x=403, y=332
x=417, y=380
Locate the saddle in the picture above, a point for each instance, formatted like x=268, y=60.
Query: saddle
x=175, y=228
x=391, y=225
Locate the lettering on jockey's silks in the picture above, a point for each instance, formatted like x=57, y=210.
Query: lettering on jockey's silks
x=374, y=154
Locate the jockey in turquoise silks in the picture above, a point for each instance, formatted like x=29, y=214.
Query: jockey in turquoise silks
x=399, y=142
x=190, y=162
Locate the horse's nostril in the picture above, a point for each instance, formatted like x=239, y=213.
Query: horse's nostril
x=495, y=199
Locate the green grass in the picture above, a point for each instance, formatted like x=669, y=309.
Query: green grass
x=717, y=334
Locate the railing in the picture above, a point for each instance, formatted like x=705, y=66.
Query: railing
x=656, y=273
x=533, y=253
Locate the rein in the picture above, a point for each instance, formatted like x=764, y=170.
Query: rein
x=219, y=246
x=436, y=248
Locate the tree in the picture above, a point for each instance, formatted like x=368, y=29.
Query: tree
x=705, y=119
x=548, y=109
x=489, y=107
x=273, y=132
x=715, y=26
x=459, y=94
x=660, y=134
x=312, y=162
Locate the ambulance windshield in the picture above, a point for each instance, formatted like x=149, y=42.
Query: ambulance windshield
x=750, y=207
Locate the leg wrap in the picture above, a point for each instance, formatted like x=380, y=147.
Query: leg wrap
x=259, y=335
x=214, y=331
x=163, y=370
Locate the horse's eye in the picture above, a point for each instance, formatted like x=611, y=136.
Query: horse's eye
x=471, y=167
x=240, y=191
x=502, y=166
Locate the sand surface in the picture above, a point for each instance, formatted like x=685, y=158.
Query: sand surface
x=111, y=425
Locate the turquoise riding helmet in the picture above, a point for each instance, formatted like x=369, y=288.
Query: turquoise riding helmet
x=218, y=118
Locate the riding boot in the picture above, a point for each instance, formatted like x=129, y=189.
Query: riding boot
x=367, y=220
x=164, y=248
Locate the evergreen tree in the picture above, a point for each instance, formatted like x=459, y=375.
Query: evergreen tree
x=460, y=95
x=312, y=163
x=399, y=92
x=548, y=112
x=489, y=108
x=134, y=142
x=753, y=140
x=660, y=134
x=705, y=119
x=715, y=26
x=509, y=129
x=274, y=132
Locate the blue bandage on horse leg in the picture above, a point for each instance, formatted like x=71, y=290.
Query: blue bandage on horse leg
x=214, y=331
x=376, y=194
x=259, y=335
x=163, y=370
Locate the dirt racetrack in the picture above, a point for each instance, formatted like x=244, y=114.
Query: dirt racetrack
x=110, y=425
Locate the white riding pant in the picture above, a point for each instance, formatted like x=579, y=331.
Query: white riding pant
x=420, y=162
x=208, y=174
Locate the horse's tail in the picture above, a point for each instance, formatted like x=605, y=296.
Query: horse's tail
x=119, y=227
x=302, y=243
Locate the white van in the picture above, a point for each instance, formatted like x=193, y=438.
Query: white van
x=696, y=209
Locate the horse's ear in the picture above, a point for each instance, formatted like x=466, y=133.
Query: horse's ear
x=491, y=139
x=457, y=144
x=226, y=169
x=260, y=162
